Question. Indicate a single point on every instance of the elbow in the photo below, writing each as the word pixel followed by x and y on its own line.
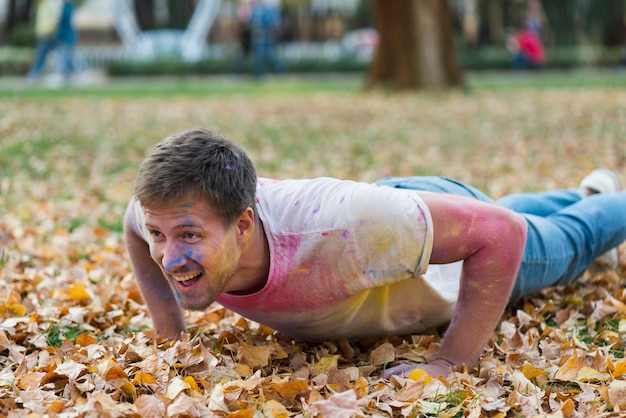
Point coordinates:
pixel 507 233
pixel 512 235
pixel 519 229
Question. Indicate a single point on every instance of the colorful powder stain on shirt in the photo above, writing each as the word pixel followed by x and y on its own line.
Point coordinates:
pixel 339 254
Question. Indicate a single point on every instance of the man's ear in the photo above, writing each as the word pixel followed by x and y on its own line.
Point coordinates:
pixel 245 225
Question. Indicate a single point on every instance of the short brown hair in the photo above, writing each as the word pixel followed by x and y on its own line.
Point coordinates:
pixel 202 162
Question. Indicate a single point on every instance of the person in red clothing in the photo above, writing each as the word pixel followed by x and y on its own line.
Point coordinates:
pixel 527 50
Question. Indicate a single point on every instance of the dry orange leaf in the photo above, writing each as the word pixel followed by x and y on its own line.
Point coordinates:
pixel 84 340
pixel 361 387
pixel 30 380
pixel 620 369
pixel 56 407
pixel 534 374
pixel 569 371
pixel 192 383
pixel 253 355
pixel 142 378
pixel 15 309
pixel 290 389
pixel 78 292
pixel 419 374
pixel 265 330
pixel 115 372
pixel 128 389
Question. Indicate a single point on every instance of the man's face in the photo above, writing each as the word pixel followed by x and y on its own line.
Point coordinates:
pixel 196 253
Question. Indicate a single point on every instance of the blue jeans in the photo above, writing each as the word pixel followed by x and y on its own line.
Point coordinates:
pixel 44 47
pixel 566 232
pixel 66 64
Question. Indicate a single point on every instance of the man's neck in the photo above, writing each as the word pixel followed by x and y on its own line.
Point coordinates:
pixel 254 264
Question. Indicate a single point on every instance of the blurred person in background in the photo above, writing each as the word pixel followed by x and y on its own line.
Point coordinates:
pixel 265 24
pixel 244 35
pixel 534 18
pixel 526 50
pixel 66 39
pixel 47 19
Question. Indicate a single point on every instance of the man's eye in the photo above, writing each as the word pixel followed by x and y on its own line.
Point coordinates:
pixel 156 234
pixel 190 235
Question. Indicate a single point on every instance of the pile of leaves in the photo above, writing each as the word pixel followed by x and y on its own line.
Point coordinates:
pixel 76 339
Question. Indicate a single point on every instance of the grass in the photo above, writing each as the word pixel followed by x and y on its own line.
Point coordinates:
pixel 87 137
pixel 227 85
pixel 572 79
pixel 192 86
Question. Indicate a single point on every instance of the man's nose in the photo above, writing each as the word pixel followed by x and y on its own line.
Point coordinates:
pixel 173 257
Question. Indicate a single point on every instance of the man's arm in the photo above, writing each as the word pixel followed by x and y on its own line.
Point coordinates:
pixel 167 316
pixel 491 240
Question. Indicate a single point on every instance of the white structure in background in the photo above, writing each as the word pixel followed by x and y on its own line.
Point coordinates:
pixel 189 44
pixel 3 10
pixel 343 6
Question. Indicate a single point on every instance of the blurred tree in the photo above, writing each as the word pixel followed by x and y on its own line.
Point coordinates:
pixel 415 48
pixel 17 13
pixel 614 31
pixel 180 12
pixel 470 22
pixel 567 21
pixel 144 10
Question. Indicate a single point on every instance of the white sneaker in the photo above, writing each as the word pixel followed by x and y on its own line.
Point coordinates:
pixel 602 181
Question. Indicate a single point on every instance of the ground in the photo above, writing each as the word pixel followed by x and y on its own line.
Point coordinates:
pixel 75 338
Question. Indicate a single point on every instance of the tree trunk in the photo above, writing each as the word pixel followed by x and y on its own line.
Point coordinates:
pixel 415 48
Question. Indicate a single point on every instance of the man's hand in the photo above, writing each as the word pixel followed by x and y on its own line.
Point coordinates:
pixel 435 368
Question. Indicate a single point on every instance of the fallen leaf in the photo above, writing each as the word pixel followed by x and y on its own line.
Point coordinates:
pixel 253 356
pixel 590 375
pixel 569 370
pixel 383 354
pixel 274 408
pixel 339 405
pixel 150 406
pixel 324 365
pixel 79 293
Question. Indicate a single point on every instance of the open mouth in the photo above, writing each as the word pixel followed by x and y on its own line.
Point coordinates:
pixel 187 280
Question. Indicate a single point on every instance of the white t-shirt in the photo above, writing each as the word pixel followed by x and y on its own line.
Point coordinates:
pixel 347 259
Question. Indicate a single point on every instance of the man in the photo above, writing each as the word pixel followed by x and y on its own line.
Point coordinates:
pixel 322 259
